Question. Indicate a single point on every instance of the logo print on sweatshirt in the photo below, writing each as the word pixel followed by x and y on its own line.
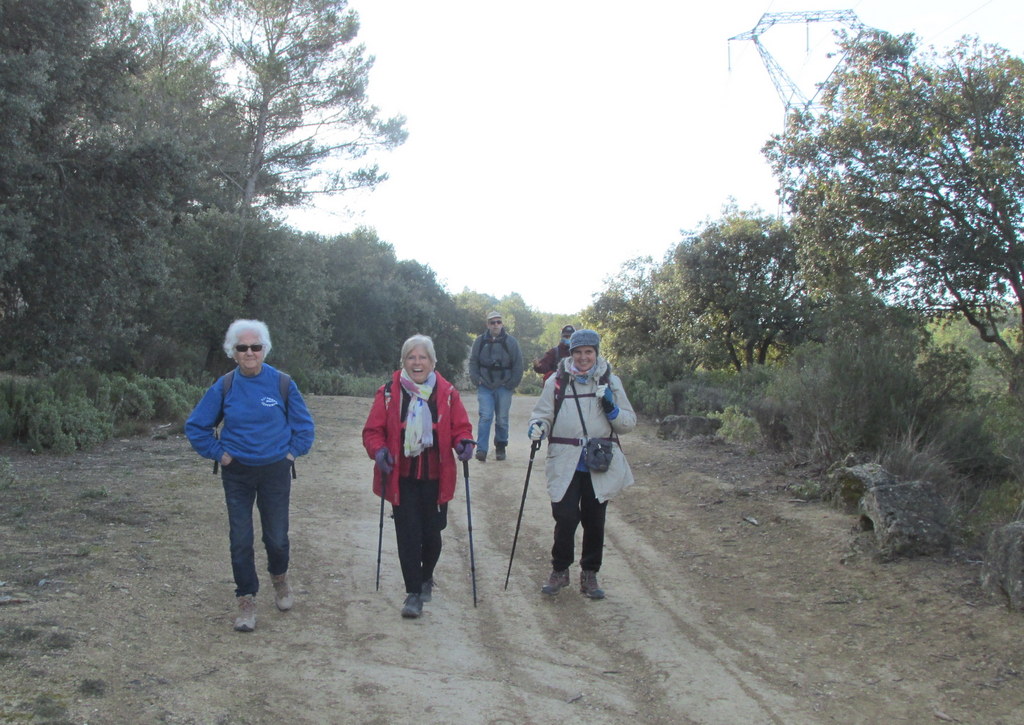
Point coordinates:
pixel 268 402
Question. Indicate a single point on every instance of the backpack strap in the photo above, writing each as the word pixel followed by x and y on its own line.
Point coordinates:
pixel 225 385
pixel 284 383
pixel 560 382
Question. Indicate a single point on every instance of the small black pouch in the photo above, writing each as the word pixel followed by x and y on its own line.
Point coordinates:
pixel 598 454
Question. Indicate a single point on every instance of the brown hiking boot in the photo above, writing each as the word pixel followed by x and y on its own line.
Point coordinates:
pixel 246 619
pixel 282 592
pixel 588 585
pixel 557 580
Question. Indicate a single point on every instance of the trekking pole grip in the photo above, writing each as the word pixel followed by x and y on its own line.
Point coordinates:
pixel 465 464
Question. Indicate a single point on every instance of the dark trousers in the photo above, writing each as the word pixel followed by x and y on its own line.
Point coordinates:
pixel 418 525
pixel 269 487
pixel 578 506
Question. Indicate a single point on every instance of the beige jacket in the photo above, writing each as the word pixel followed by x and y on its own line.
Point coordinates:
pixel 563 458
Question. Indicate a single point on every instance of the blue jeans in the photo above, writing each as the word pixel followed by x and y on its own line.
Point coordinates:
pixel 269 487
pixel 494 406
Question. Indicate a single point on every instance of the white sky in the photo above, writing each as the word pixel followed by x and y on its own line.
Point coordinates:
pixel 552 140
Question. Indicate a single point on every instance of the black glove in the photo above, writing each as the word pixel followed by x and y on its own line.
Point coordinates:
pixel 607 402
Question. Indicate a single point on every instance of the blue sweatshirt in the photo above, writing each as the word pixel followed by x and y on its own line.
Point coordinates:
pixel 256 430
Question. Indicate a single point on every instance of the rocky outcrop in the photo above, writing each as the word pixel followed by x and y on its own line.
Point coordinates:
pixel 909 519
pixel 1003 573
pixel 844 485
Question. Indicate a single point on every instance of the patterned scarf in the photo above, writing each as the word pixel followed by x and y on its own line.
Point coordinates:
pixel 581 377
pixel 419 433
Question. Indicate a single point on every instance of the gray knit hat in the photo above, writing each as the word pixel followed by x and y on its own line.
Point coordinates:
pixel 583 338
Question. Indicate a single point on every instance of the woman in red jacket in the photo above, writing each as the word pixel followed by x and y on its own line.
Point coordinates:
pixel 417 419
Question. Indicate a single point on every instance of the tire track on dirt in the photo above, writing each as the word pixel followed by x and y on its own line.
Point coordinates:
pixel 634 652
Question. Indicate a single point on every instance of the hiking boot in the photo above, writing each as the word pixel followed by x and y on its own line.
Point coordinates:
pixel 588 585
pixel 246 619
pixel 481 455
pixel 413 606
pixel 427 590
pixel 282 592
pixel 499 452
pixel 556 581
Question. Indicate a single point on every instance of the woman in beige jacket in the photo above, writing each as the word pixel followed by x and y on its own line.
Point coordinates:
pixel 581 400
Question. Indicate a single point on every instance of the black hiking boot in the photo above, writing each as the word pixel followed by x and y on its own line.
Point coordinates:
pixel 499 452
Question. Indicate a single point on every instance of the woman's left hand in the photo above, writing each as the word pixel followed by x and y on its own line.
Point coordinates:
pixel 465 450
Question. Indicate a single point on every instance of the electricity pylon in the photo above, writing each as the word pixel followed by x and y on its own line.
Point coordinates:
pixel 790 93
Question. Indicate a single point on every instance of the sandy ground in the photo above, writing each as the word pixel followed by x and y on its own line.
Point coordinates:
pixel 730 601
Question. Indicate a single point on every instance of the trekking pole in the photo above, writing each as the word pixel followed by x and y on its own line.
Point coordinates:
pixel 533 451
pixel 380 534
pixel 469 521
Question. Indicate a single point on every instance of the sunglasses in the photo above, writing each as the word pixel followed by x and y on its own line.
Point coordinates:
pixel 247 348
pixel 494 322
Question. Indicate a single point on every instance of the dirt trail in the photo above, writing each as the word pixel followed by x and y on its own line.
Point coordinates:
pixel 728 602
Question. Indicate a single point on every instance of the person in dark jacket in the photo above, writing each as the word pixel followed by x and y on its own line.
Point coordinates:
pixel 261 437
pixel 417 419
pixel 549 363
pixel 496 369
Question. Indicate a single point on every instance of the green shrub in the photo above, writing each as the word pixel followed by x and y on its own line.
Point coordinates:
pixel 996 505
pixel 737 427
pixel 64 425
pixel 124 400
pixel 335 382
pixel 364 386
pixel 911 457
pixel 849 395
pixel 648 398
pixel 172 399
pixel 698 393
pixel 529 389
pixel 78 409
pixel 1004 421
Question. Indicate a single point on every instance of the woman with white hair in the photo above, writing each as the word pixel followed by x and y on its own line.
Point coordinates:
pixel 417 420
pixel 266 426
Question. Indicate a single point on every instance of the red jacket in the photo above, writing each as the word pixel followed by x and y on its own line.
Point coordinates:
pixel 384 427
pixel 549 363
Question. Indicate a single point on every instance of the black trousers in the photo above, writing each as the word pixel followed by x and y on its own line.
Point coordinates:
pixel 418 525
pixel 578 506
